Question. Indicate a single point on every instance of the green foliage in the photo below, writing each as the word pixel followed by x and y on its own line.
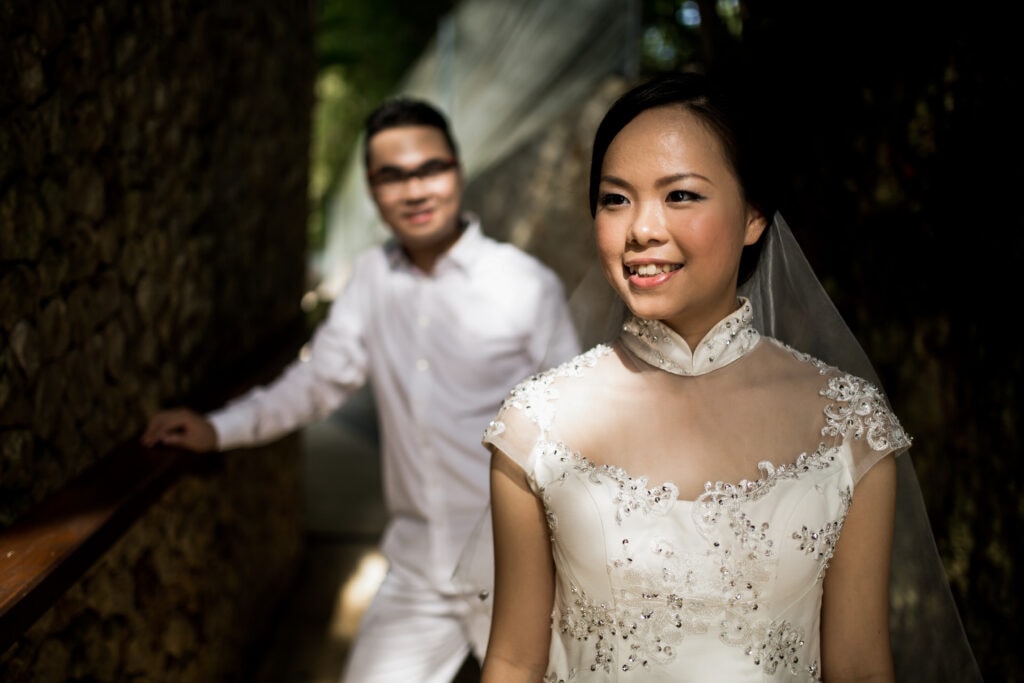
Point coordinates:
pixel 364 48
pixel 685 33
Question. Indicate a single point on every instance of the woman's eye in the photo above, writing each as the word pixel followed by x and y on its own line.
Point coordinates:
pixel 682 196
pixel 611 199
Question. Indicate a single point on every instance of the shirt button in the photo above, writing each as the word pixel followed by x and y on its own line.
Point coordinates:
pixel 423 320
pixel 422 365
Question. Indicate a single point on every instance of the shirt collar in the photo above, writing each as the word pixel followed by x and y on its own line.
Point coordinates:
pixel 657 344
pixel 462 254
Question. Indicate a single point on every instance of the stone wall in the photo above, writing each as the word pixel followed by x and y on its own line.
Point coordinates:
pixel 153 168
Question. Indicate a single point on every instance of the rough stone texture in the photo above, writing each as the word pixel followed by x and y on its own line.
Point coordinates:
pixel 153 162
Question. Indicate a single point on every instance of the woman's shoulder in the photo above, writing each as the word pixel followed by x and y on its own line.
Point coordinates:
pixel 535 397
pixel 852 406
pixel 799 363
pixel 577 370
pixel 531 407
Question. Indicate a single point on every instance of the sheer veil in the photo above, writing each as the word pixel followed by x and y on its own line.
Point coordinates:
pixel 790 304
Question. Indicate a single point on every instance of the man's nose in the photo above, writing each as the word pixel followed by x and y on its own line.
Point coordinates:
pixel 415 189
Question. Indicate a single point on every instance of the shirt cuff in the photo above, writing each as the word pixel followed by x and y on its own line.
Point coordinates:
pixel 232 429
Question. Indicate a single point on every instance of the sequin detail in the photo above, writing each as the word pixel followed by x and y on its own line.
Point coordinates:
pixel 633 496
pixel 534 394
pixel 821 543
pixel 860 411
pixel 718 593
pixel 663 348
pixel 681 576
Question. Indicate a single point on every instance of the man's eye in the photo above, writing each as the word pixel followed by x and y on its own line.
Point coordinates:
pixel 432 168
pixel 387 176
pixel 390 175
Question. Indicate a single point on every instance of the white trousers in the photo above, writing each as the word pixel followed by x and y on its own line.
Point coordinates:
pixel 414 635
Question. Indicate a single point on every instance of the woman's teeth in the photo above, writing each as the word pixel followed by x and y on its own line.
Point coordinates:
pixel 651 269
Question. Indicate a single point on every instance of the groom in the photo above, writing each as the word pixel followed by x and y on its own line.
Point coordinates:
pixel 444 320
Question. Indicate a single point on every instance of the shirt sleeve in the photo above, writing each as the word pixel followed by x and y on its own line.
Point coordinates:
pixel 308 389
pixel 556 339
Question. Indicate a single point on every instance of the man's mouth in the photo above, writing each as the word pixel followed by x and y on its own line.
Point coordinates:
pixel 419 216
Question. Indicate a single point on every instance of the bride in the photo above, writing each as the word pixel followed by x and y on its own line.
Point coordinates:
pixel 695 500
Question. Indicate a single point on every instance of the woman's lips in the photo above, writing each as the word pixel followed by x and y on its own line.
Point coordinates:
pixel 648 275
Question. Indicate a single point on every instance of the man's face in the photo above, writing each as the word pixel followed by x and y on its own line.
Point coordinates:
pixel 417 186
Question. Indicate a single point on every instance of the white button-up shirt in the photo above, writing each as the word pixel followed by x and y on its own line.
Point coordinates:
pixel 442 351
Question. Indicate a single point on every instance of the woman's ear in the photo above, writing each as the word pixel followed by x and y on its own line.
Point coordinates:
pixel 756 223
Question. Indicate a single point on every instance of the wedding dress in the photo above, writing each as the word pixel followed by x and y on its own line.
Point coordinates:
pixel 661 576
pixel 695 499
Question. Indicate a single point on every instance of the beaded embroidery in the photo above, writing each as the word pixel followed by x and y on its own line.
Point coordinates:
pixel 862 412
pixel 661 595
pixel 663 348
pixel 534 395
pixel 654 611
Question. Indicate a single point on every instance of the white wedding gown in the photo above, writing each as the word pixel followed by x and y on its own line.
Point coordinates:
pixel 693 499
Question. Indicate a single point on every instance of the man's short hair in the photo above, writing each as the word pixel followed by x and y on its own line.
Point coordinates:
pixel 404 111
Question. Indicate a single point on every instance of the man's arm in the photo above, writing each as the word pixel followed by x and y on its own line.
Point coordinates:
pixel 305 391
pixel 556 331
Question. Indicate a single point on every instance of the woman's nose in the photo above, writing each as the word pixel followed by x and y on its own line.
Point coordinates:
pixel 648 225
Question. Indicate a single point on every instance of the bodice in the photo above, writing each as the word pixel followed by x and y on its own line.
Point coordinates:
pixel 662 581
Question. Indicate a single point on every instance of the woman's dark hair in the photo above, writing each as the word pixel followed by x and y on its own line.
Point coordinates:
pixel 724 115
pixel 404 111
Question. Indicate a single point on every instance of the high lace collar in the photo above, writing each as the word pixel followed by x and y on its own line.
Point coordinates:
pixel 659 345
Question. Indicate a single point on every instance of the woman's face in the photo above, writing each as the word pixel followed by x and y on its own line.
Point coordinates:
pixel 671 221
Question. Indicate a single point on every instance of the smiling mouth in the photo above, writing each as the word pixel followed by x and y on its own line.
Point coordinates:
pixel 652 269
pixel 417 216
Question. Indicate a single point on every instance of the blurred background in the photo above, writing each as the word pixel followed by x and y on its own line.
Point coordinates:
pixel 180 179
pixel 897 139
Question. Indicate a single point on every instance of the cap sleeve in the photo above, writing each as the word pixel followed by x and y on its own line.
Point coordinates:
pixel 516 428
pixel 860 414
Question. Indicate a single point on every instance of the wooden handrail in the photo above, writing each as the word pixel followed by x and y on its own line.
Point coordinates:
pixel 44 552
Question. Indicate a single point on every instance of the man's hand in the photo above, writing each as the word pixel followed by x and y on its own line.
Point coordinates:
pixel 180 427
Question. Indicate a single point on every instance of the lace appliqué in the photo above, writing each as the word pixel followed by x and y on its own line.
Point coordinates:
pixel 821 543
pixel 745 566
pixel 661 596
pixel 861 411
pixel 645 633
pixel 660 346
pixel 726 500
pixel 534 395
pixel 645 628
pixel 632 494
pixel 781 645
pixel 656 610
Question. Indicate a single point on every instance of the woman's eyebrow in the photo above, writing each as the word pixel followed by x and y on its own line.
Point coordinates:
pixel 615 180
pixel 676 177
